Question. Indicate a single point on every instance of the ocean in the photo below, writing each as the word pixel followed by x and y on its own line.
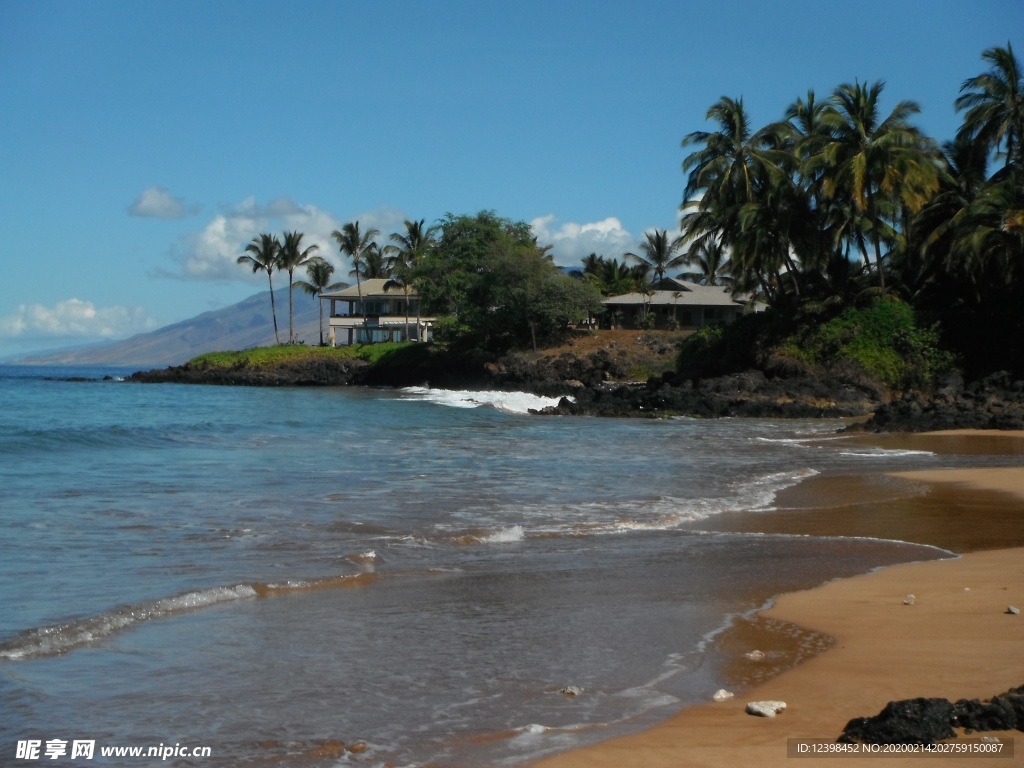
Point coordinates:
pixel 428 577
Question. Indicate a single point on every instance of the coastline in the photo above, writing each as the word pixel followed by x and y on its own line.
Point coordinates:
pixel 955 641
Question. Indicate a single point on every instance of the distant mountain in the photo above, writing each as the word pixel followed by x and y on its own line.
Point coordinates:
pixel 240 326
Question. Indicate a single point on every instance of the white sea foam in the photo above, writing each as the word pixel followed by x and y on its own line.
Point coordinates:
pixel 873 453
pixel 505 536
pixel 509 402
pixel 623 517
pixel 61 638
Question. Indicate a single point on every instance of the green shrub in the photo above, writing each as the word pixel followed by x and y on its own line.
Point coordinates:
pixel 884 338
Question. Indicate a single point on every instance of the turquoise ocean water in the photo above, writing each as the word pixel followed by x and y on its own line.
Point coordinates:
pixel 269 571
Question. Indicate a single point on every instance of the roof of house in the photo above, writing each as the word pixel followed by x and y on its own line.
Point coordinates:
pixel 372 288
pixel 672 291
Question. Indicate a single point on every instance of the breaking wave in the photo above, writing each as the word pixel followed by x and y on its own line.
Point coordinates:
pixel 509 402
pixel 58 639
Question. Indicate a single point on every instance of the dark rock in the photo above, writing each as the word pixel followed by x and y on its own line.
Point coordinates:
pixel 990 403
pixel 912 721
pixel 995 715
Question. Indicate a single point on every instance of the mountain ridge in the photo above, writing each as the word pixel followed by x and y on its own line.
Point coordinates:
pixel 245 324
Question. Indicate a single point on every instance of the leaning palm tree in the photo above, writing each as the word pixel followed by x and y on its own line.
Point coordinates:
pixel 292 256
pixel 658 253
pixel 994 104
pixel 261 254
pixel 728 172
pixel 319 271
pixel 353 243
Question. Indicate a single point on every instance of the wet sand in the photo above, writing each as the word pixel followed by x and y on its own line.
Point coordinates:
pixel 858 645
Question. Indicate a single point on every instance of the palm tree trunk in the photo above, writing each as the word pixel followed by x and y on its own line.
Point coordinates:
pixel 407 313
pixel 321 322
pixel 878 261
pixel 291 332
pixel 273 308
pixel 359 289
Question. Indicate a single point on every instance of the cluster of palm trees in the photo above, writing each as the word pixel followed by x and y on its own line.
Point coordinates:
pixel 395 261
pixel 268 253
pixel 838 197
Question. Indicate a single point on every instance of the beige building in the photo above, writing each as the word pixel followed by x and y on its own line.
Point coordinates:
pixel 385 312
pixel 678 303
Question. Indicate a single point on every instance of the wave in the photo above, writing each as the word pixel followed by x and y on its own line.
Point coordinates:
pixel 108 437
pixel 874 453
pixel 622 517
pixel 58 639
pixel 509 402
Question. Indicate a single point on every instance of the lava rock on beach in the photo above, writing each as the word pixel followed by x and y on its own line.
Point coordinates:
pixel 927 721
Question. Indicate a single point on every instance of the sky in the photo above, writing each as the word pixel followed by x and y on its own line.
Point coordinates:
pixel 144 145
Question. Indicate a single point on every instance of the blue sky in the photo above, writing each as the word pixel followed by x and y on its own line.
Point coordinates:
pixel 143 145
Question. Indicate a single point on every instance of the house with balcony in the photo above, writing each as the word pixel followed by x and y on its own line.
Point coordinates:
pixel 674 303
pixel 377 310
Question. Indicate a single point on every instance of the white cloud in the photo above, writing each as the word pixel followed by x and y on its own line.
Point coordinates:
pixel 212 253
pixel 573 242
pixel 159 203
pixel 74 319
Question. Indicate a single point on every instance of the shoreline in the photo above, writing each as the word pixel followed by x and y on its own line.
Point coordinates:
pixel 955 641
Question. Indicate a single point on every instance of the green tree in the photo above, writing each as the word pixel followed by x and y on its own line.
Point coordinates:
pixel 319 272
pixel 881 167
pixel 262 254
pixel 993 103
pixel 292 256
pixel 495 285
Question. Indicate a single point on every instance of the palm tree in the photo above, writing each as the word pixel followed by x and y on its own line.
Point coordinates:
pixel 409 248
pixel 319 271
pixel 376 262
pixel 353 244
pixel 730 171
pixel 994 104
pixel 290 257
pixel 882 167
pixel 261 254
pixel 712 265
pixel 658 253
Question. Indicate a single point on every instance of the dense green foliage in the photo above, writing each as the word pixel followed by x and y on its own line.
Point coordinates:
pixel 494 288
pixel 883 338
pixel 840 200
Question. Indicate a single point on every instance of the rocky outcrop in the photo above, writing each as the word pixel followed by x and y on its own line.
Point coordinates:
pixel 602 383
pixel 309 373
pixel 927 721
pixel 995 402
pixel 752 393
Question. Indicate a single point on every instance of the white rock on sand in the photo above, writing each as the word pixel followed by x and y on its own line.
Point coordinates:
pixel 765 708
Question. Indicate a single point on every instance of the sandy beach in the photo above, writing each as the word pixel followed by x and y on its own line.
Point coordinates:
pixel 956 640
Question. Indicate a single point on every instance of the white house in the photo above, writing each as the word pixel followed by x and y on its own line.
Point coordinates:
pixel 386 311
